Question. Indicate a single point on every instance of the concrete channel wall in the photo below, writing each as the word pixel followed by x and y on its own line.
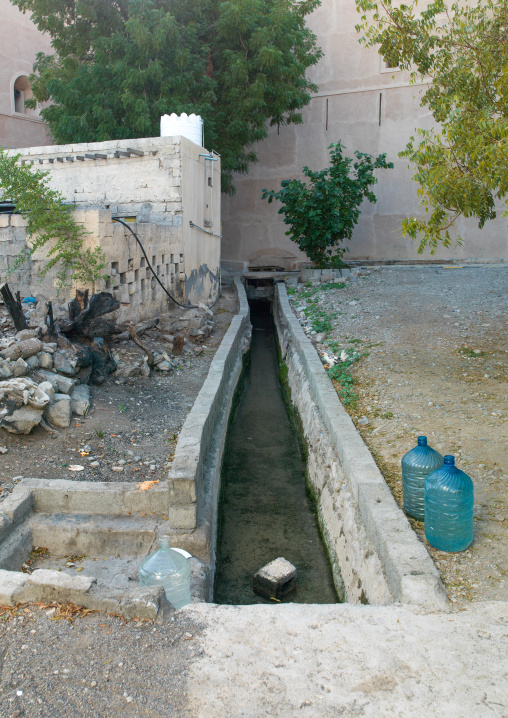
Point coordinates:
pixel 375 555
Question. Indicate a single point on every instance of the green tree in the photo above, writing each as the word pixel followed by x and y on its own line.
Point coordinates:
pixel 462 51
pixel 119 65
pixel 323 211
pixel 49 221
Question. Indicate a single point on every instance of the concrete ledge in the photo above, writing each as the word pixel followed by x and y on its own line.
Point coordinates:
pixel 375 555
pixel 49 586
pixel 205 421
pixel 86 497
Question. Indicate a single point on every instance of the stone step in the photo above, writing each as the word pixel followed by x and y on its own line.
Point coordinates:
pixel 106 535
pixel 15 547
pixel 95 534
pixel 96 497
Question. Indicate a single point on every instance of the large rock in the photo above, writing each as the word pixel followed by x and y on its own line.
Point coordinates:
pixel 33 362
pixel 5 369
pixel 40 312
pixel 62 365
pixel 48 389
pixel 61 384
pixel 80 400
pixel 13 352
pixel 19 367
pixel 46 360
pixel 59 413
pixel 22 421
pixel 29 347
pixel 27 334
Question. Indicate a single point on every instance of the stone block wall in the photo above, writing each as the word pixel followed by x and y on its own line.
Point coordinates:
pixel 375 556
pixel 168 190
pixel 130 279
pixel 12 242
pixel 139 177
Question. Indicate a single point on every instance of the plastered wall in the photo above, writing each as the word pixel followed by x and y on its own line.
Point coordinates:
pixel 369 108
pixel 19 44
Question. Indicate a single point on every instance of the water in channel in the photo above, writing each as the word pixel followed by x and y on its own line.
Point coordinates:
pixel 265 510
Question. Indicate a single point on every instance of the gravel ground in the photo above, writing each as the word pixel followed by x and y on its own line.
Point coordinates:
pixel 133 424
pixel 436 365
pixel 93 666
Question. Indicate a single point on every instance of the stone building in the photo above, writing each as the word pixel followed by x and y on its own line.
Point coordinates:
pixel 21 41
pixel 167 189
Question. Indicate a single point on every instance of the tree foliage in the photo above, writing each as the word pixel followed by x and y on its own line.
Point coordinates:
pixel 323 211
pixel 462 50
pixel 49 221
pixel 121 64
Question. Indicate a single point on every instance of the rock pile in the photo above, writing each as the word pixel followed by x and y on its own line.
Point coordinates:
pixel 60 370
pixel 51 395
pixel 197 324
pixel 25 404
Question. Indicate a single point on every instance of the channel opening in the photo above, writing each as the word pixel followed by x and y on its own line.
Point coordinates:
pixel 266 511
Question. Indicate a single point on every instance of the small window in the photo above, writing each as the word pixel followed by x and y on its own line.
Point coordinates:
pixel 21 92
pixel 386 67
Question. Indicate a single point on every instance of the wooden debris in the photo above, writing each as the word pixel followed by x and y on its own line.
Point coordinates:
pixel 132 333
pixel 178 345
pixel 14 308
pixel 85 325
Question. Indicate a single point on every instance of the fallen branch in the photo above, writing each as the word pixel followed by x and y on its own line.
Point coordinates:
pixel 132 333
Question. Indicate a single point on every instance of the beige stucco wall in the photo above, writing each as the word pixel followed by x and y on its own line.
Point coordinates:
pixel 202 207
pixel 20 43
pixel 351 80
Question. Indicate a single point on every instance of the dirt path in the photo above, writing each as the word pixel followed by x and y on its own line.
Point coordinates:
pixel 437 365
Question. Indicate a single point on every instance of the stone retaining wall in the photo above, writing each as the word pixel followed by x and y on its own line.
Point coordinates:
pixel 190 488
pixel 376 557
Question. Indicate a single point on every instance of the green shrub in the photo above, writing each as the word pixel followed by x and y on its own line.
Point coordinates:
pixel 323 211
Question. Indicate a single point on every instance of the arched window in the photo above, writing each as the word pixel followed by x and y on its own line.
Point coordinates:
pixel 21 92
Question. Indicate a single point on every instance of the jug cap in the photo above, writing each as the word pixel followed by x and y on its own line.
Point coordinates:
pixel 449 460
pixel 422 441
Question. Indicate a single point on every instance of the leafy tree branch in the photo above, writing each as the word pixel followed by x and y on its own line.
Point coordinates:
pixel 462 51
pixel 49 222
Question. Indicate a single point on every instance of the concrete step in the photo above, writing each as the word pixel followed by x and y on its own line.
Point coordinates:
pixel 15 547
pixel 105 535
pixel 96 497
pixel 95 534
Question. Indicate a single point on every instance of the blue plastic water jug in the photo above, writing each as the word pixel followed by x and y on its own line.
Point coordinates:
pixel 449 504
pixel 417 464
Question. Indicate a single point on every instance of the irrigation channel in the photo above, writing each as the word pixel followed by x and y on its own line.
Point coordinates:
pixel 265 509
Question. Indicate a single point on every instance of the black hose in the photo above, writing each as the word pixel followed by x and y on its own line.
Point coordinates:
pixel 184 306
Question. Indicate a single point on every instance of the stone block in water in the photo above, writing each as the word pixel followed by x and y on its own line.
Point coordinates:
pixel 276 579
